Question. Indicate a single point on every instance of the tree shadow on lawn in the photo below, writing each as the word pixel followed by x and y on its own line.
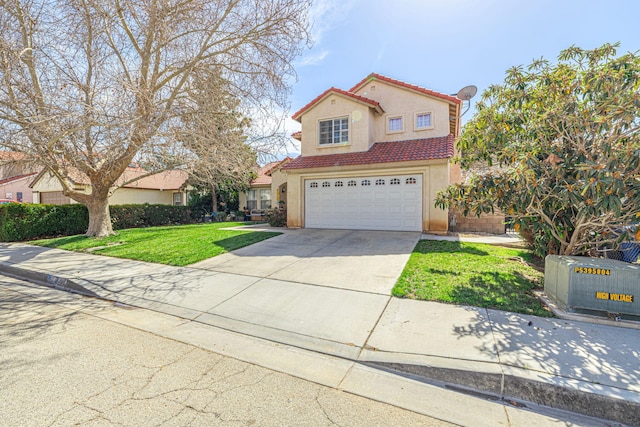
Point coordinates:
pixel 445 246
pixel 510 291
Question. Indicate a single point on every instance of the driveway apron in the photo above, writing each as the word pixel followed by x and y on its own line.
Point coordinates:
pixel 365 261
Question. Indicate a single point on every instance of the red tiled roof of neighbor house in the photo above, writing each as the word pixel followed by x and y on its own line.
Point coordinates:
pixel 264 173
pixel 167 180
pixel 16 178
pixel 381 152
pixel 12 155
pixel 374 76
pixel 370 102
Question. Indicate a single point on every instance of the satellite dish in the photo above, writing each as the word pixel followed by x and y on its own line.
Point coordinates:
pixel 467 92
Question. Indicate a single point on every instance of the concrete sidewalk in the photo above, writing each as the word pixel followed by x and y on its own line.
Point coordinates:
pixel 582 367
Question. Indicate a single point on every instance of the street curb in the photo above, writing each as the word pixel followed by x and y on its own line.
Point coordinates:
pixel 519 391
pixel 49 280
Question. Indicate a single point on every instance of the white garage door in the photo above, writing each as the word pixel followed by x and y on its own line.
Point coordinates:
pixel 365 203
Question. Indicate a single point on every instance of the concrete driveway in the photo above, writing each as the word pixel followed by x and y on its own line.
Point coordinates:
pixel 366 261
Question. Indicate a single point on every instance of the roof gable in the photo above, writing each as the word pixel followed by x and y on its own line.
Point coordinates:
pixel 382 152
pixel 378 77
pixel 335 91
pixel 264 173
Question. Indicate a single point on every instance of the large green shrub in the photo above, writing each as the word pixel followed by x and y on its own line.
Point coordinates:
pixel 27 221
pixel 20 222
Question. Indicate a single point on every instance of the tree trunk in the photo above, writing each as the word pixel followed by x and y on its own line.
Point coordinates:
pixel 214 199
pixel 99 218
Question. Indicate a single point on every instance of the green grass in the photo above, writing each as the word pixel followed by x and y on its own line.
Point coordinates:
pixel 472 274
pixel 173 245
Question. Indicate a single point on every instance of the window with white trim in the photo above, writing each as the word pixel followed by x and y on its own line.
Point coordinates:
pixel 265 198
pixel 252 199
pixel 395 124
pixel 334 131
pixel 423 121
pixel 177 199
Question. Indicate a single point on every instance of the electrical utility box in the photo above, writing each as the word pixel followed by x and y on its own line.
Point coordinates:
pixel 593 284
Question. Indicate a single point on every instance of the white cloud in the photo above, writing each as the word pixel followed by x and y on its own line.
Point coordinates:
pixel 325 14
pixel 312 59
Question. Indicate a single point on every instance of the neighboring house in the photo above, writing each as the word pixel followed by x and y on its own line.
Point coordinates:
pixel 17 188
pixel 166 188
pixel 268 189
pixel 373 157
pixel 15 176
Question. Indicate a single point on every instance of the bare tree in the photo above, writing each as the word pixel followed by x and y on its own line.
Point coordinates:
pixel 95 85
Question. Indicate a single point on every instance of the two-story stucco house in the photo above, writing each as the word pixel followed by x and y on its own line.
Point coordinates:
pixel 373 157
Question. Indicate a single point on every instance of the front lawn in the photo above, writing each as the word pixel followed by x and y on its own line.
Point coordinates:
pixel 472 274
pixel 174 245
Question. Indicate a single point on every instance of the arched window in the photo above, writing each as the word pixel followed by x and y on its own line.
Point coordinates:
pixel 326 184
pixel 395 181
pixel 379 181
pixel 410 181
pixel 338 184
pixel 365 182
pixel 351 183
pixel 314 185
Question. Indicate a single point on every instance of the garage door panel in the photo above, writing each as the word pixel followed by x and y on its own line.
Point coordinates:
pixel 366 203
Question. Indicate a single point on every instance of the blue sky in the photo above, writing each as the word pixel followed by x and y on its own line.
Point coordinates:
pixel 447 44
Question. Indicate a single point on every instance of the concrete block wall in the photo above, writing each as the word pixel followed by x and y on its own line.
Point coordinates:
pixel 490 223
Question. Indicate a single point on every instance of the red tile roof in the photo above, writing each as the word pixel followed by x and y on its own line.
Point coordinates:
pixel 381 152
pixel 264 173
pixel 16 178
pixel 374 76
pixel 167 180
pixel 370 102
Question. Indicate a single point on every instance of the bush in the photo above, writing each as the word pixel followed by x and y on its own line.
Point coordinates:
pixel 277 217
pixel 27 221
pixel 20 222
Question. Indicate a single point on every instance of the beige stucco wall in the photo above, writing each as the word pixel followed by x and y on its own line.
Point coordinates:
pixel 277 179
pixel 435 176
pixel 397 101
pixel 332 107
pixel 126 196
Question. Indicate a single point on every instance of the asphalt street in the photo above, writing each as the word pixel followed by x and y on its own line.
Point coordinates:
pixel 62 365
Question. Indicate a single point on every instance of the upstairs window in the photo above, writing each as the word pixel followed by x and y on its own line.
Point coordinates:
pixel 423 121
pixel 334 131
pixel 394 124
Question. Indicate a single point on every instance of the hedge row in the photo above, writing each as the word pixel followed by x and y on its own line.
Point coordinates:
pixel 20 222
